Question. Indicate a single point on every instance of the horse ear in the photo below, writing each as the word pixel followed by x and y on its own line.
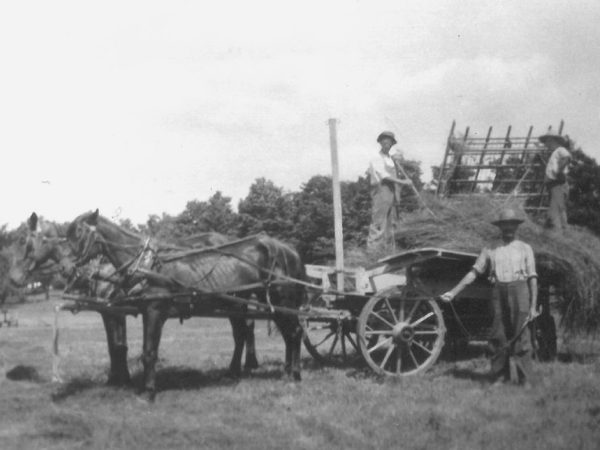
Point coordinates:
pixel 93 219
pixel 32 221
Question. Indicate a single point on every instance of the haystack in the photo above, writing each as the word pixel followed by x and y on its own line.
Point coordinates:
pixel 569 264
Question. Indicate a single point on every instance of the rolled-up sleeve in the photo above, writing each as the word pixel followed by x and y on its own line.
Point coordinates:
pixel 482 263
pixel 530 271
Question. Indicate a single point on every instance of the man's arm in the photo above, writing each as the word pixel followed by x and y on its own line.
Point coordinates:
pixel 467 280
pixel 531 280
pixel 478 268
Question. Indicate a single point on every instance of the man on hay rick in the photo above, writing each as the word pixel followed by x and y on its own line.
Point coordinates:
pixel 511 268
pixel 385 195
pixel 557 171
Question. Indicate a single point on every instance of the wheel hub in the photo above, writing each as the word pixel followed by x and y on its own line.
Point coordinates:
pixel 403 332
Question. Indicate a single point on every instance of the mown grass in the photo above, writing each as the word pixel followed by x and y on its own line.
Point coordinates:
pixel 199 407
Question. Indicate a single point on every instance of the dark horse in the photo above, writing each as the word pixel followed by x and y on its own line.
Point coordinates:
pixel 44 249
pixel 253 262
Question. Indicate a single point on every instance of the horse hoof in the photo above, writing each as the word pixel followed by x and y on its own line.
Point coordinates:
pixel 296 376
pixel 250 365
pixel 235 374
pixel 119 381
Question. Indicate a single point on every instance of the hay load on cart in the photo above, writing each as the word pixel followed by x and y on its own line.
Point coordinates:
pixel 481 175
pixel 568 265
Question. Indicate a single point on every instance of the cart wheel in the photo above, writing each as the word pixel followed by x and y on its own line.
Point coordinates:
pixel 401 332
pixel 331 342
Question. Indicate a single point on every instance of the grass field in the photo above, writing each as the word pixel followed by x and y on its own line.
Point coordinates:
pixel 199 407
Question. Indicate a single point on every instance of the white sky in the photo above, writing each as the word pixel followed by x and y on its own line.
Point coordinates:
pixel 138 107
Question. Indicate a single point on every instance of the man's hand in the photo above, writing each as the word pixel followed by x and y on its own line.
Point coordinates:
pixel 533 313
pixel 447 296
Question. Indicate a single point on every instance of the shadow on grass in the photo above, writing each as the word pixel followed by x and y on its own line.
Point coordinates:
pixel 185 378
pixel 462 351
pixel 577 358
pixel 171 378
pixel 469 374
pixel 74 387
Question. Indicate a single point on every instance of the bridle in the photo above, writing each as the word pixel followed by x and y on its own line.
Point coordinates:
pixel 90 239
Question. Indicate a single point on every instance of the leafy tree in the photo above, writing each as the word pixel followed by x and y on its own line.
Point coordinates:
pixel 213 215
pixel 409 201
pixel 5 237
pixel 584 196
pixel 128 225
pixel 160 227
pixel 266 208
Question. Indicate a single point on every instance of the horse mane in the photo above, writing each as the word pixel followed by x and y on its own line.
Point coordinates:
pixel 101 220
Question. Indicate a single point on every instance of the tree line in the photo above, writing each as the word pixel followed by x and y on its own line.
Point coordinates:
pixel 304 218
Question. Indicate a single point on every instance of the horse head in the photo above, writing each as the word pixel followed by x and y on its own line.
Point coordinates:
pixel 38 249
pixel 91 235
pixel 83 238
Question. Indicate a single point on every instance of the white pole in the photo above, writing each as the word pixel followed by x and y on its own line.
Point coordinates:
pixel 337 206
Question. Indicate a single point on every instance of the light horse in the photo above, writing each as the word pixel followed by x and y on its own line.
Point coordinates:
pixel 253 262
pixel 44 248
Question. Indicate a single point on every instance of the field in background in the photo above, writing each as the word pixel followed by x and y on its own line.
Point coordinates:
pixel 199 407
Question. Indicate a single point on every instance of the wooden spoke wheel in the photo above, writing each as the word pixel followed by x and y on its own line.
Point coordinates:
pixel 400 332
pixel 330 341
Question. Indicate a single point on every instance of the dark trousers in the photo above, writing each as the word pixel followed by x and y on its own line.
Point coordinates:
pixel 511 308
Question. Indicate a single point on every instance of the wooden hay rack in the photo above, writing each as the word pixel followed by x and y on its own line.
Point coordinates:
pixel 501 166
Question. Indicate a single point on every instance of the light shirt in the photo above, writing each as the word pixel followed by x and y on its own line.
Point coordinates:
pixel 506 263
pixel 381 168
pixel 557 159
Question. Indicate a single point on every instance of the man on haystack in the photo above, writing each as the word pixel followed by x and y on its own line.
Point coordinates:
pixel 556 179
pixel 385 194
pixel 511 268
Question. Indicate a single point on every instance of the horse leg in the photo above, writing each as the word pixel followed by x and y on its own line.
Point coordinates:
pixel 238 327
pixel 116 336
pixel 251 361
pixel 292 335
pixel 153 320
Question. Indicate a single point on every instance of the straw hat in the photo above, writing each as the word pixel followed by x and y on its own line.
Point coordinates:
pixel 387 134
pixel 562 140
pixel 508 216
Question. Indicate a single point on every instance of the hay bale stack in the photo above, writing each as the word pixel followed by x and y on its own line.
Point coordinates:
pixel 571 263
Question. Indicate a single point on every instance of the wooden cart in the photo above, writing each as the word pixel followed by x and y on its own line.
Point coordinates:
pixel 394 320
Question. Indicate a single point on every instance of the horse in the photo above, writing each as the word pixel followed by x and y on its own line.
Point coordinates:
pixel 254 262
pixel 44 248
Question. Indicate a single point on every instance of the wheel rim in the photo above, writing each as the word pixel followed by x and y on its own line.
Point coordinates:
pixel 331 342
pixel 401 333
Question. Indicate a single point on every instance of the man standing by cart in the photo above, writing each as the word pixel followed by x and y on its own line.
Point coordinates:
pixel 556 179
pixel 511 268
pixel 385 190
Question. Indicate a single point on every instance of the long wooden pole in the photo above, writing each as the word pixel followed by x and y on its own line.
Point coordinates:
pixel 337 206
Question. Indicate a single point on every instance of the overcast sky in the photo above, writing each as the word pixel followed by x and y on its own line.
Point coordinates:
pixel 139 107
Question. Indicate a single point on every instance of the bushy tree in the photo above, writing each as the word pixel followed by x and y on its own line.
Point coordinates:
pixel 215 214
pixel 266 208
pixel 584 196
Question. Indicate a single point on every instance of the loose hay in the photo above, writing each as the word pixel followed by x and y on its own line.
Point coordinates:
pixel 569 264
